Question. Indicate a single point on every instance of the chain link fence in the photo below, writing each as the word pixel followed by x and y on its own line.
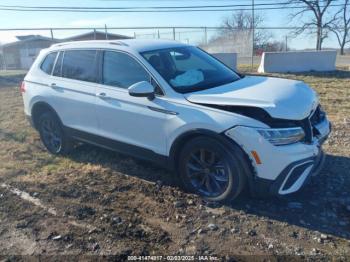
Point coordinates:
pixel 19 47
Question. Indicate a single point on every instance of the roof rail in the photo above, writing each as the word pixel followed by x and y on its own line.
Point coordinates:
pixel 118 43
pixel 58 44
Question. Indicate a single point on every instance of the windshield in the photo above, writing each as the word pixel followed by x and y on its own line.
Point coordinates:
pixel 189 69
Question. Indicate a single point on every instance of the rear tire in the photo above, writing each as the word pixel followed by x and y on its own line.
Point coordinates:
pixel 212 169
pixel 52 134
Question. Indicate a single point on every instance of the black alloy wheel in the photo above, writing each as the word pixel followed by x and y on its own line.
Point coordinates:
pixel 208 172
pixel 52 135
pixel 212 168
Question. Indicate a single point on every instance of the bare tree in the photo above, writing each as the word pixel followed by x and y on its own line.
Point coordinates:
pixel 341 27
pixel 243 21
pixel 321 19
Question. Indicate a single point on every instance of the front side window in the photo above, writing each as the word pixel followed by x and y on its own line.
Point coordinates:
pixel 48 63
pixel 189 69
pixel 121 70
pixel 80 65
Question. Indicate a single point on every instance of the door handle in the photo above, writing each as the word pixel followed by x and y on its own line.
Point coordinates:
pixel 54 86
pixel 101 95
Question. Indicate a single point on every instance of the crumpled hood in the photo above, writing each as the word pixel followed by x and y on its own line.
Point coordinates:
pixel 281 98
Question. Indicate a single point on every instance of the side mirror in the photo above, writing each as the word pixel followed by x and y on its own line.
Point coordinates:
pixel 142 89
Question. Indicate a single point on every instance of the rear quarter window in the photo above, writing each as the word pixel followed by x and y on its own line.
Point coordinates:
pixel 48 63
pixel 80 65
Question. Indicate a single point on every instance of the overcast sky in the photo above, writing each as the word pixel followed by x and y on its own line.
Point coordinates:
pixel 16 19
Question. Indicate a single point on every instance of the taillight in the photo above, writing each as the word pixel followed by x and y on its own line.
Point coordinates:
pixel 23 87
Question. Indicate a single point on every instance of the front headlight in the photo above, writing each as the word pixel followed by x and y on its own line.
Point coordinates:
pixel 282 136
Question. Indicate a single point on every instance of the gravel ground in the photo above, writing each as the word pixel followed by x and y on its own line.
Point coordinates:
pixel 100 204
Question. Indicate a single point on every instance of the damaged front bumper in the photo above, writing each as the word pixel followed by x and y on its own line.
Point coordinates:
pixel 285 169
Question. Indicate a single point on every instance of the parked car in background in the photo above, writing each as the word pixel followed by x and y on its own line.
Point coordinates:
pixel 175 104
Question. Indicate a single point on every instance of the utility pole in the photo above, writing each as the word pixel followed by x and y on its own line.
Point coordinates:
pixel 106 32
pixel 253 31
pixel 286 43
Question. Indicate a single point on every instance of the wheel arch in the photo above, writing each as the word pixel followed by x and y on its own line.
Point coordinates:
pixel 39 108
pixel 187 136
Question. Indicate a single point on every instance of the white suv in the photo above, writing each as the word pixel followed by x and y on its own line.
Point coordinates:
pixel 175 104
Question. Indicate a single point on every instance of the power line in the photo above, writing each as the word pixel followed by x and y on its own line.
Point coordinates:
pixel 143 7
pixel 177 0
pixel 144 27
pixel 202 1
pixel 129 10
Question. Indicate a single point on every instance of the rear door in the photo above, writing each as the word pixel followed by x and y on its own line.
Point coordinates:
pixel 121 117
pixel 73 82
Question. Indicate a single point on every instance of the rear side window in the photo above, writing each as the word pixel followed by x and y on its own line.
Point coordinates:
pixel 121 70
pixel 58 66
pixel 80 65
pixel 48 63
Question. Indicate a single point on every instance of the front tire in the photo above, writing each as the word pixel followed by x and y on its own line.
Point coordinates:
pixel 212 169
pixel 52 135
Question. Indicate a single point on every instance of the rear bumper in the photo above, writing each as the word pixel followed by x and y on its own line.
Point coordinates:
pixel 295 176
